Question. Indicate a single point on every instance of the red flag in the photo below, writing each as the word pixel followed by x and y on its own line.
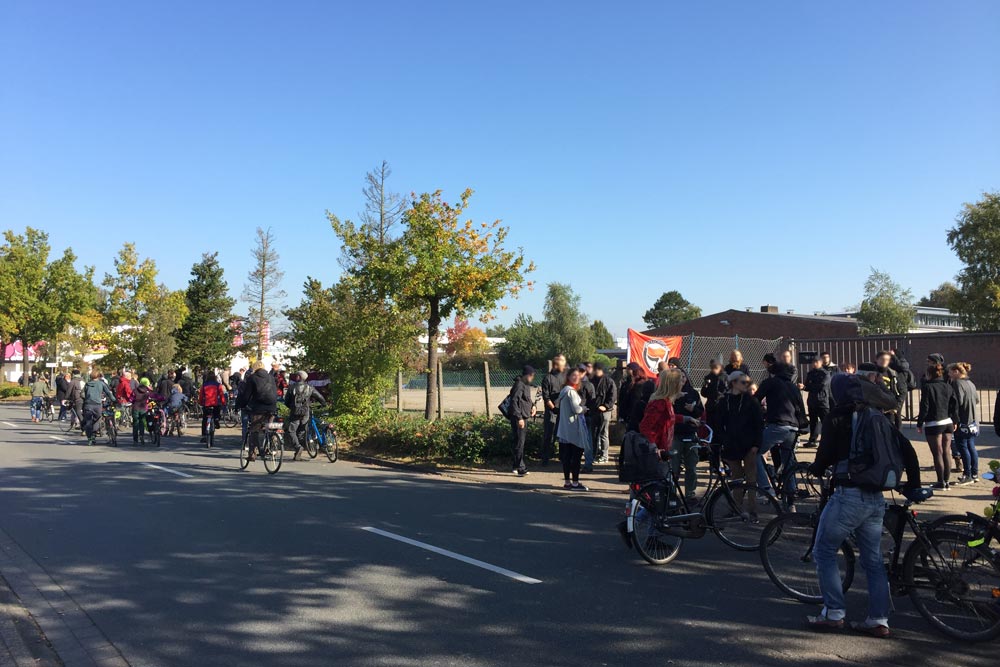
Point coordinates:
pixel 648 352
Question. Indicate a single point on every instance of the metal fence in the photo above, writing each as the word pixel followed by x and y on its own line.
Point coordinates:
pixel 697 352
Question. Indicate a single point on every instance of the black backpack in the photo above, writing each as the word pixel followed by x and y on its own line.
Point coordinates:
pixel 301 393
pixel 638 459
pixel 876 460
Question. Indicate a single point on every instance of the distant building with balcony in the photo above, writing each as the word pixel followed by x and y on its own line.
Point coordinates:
pixel 927 320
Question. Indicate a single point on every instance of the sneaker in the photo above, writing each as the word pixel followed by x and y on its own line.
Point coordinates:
pixel 514 471
pixel 974 479
pixel 567 485
pixel 940 486
pixel 587 469
pixel 812 444
pixel 298 454
pixel 753 518
pixel 578 487
pixel 522 473
pixel 964 481
pixel 823 624
pixel 872 630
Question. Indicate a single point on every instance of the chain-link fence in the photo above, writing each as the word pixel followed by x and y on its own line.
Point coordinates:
pixel 697 352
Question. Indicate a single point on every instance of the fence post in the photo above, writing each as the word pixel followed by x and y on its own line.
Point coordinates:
pixel 690 354
pixel 736 342
pixel 440 381
pixel 486 386
pixel 399 392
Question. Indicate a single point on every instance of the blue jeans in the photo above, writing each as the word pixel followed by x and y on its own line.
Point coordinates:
pixel 861 512
pixel 36 407
pixel 783 437
pixel 965 443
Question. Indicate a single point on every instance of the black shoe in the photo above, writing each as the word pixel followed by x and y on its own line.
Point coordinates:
pixel 812 444
pixel 578 487
pixel 940 486
pixel 522 473
pixel 587 469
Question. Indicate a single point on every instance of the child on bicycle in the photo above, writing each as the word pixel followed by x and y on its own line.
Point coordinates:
pixel 176 405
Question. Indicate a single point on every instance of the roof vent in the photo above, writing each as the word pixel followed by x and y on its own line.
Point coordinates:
pixel 769 309
pixel 789 312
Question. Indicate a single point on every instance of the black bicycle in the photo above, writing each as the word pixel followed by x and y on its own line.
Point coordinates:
pixel 954 582
pixel 270 449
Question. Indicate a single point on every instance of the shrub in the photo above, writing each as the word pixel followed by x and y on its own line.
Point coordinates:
pixel 13 390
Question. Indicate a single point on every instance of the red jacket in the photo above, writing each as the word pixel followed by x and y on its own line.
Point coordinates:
pixel 123 392
pixel 211 394
pixel 657 423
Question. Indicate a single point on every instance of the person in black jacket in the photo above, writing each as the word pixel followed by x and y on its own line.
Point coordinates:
pixel 937 419
pixel 818 387
pixel 904 380
pixel 713 386
pixel 599 411
pixel 634 396
pixel 587 393
pixel 522 408
pixel 552 384
pixel 784 414
pixel 260 399
pixel 736 364
pixel 685 447
pixel 62 390
pixel 738 425
pixel 855 510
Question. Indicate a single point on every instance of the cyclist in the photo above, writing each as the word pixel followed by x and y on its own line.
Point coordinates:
pixel 738 422
pixel 95 392
pixel 298 398
pixel 74 398
pixel 784 415
pixel 688 404
pixel 124 391
pixel 211 398
pixel 176 404
pixel 856 510
pixel 259 397
pixel 39 392
pixel 140 406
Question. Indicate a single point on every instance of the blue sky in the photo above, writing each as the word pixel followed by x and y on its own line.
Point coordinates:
pixel 742 153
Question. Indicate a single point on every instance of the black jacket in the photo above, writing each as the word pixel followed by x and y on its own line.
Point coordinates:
pixel 818 385
pixel 682 430
pixel 738 424
pixel 62 388
pixel 552 384
pixel 937 402
pixel 891 380
pixel 259 395
pixel 520 400
pixel 783 399
pixel 605 393
pixel 164 386
pixel 632 402
pixel 743 368
pixel 587 391
pixel 904 376
pixel 712 388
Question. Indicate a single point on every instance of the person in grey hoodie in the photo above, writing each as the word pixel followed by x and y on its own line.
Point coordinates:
pixel 968 423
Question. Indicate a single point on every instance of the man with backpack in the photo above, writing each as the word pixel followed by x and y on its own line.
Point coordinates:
pixel 260 399
pixel 211 398
pixel 298 399
pixel 868 455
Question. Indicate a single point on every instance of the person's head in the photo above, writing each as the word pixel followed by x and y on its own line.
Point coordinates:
pixel 177 388
pixel 935 358
pixel 573 377
pixel 275 365
pixel 736 357
pixel 869 372
pixel 258 365
pixel 674 362
pixel 817 363
pixel 209 376
pixel 661 366
pixel 849 367
pixel 528 373
pixel 144 382
pixel 669 385
pixel 714 367
pixel 825 356
pixel 559 363
pixel 739 383
pixel 935 371
pixel 634 370
pixel 769 360
pixel 303 376
pixel 589 366
pixel 584 371
pixel 883 358
pixel 786 357
pixel 98 376
pixel 598 370
pixel 960 370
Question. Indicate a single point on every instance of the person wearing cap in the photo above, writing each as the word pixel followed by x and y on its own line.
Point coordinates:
pixel 140 407
pixel 552 385
pixel 299 399
pixel 522 408
pixel 853 510
pixel 599 409
pixel 634 396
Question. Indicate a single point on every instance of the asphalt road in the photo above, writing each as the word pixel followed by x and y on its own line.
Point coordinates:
pixel 223 567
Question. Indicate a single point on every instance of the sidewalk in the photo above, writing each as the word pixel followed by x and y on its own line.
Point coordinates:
pixel 22 643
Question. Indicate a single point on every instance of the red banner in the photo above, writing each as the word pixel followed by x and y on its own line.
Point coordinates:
pixel 648 352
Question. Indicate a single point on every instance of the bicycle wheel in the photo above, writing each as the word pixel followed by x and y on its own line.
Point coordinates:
pixel 654 547
pixel 273 452
pixel 312 443
pixel 210 433
pixel 332 446
pixel 737 525
pixel 786 551
pixel 955 586
pixel 229 419
pixel 245 453
pixel 808 488
pixel 112 428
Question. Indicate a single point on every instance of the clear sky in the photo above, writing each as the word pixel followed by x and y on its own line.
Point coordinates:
pixel 742 153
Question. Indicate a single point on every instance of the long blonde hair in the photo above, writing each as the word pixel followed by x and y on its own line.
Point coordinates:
pixel 669 386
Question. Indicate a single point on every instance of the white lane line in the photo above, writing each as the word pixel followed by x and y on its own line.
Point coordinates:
pixel 9 424
pixel 56 437
pixel 451 554
pixel 172 472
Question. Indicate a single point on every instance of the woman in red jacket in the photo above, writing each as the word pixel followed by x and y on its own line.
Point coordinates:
pixel 658 421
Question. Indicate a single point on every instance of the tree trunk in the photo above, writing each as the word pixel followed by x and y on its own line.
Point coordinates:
pixel 433 330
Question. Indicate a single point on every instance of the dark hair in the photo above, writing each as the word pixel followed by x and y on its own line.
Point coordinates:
pixel 769 358
pixel 935 371
pixel 824 354
pixel 883 352
pixel 674 361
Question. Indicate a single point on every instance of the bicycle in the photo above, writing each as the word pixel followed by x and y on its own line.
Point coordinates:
pixel 953 582
pixel 74 422
pixel 107 425
pixel 985 529
pixel 271 450
pixel 325 438
pixel 48 412
pixel 230 418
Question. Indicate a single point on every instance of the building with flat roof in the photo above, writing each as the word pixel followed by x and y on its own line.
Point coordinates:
pixel 768 323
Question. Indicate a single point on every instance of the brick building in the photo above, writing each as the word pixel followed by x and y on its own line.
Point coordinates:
pixel 768 323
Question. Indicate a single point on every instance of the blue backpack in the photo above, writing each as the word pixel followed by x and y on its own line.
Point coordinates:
pixel 876 460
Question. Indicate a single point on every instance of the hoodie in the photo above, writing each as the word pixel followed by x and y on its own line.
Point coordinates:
pixel 782 399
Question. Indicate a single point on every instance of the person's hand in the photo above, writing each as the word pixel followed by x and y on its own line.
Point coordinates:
pixel 534 412
pixel 601 408
pixel 801 386
pixel 664 455
pixel 520 423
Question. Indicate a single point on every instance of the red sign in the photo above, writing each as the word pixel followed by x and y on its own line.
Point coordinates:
pixel 648 352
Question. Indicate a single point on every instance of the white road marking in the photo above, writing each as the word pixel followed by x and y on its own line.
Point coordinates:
pixel 172 472
pixel 451 554
pixel 56 437
pixel 9 424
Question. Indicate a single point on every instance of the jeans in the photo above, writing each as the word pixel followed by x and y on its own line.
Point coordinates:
pixel 90 417
pixel 518 434
pixel 599 433
pixel 784 437
pixel 36 407
pixel 965 443
pixel 686 450
pixel 851 509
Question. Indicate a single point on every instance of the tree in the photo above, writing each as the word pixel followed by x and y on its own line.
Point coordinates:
pixel 944 296
pixel 975 238
pixel 451 268
pixel 142 316
pixel 524 343
pixel 383 209
pixel 566 330
pixel 206 338
pixel 38 298
pixel 670 308
pixel 887 308
pixel 601 337
pixel 261 291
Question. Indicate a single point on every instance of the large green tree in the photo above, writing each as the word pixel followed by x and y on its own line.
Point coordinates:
pixel 524 343
pixel 142 316
pixel 39 298
pixel 943 296
pixel 566 327
pixel 975 238
pixel 262 293
pixel 205 340
pixel 601 337
pixel 887 308
pixel 670 308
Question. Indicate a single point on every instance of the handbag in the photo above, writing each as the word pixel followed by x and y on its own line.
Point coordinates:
pixel 972 428
pixel 505 406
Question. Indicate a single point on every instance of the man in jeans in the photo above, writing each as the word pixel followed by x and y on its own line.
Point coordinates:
pixel 605 397
pixel 552 384
pixel 784 413
pixel 852 509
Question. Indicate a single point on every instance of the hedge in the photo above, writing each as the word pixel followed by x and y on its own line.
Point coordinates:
pixel 14 390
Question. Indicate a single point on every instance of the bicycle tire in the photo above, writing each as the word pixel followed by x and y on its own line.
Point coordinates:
pixel 230 419
pixel 786 554
pixel 654 547
pixel 941 590
pixel 112 431
pixel 245 453
pixel 210 433
pixel 738 529
pixel 273 453
pixel 332 446
pixel 809 488
pixel 312 443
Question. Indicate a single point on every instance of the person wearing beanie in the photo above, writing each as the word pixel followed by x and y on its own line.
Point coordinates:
pixel 522 408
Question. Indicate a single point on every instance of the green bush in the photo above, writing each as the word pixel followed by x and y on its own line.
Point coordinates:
pixel 13 390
